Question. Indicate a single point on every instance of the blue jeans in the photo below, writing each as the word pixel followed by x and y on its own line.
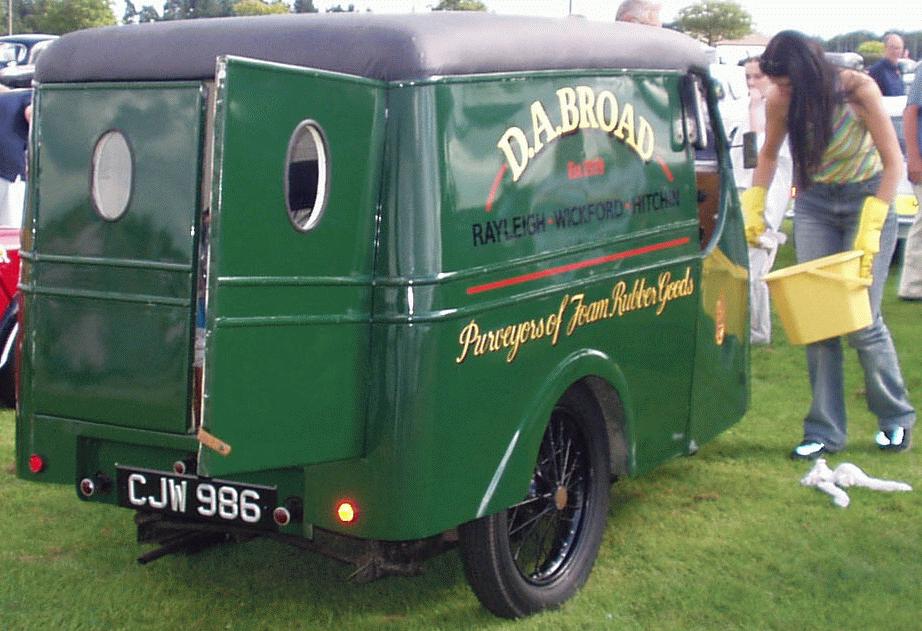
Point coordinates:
pixel 826 218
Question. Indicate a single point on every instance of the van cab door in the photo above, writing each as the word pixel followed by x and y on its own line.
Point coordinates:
pixel 296 166
pixel 720 389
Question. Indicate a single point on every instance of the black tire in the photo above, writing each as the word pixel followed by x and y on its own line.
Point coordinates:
pixel 8 329
pixel 538 553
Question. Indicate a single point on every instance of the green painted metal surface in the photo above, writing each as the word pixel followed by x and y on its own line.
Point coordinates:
pixel 720 394
pixel 488 242
pixel 108 302
pixel 454 433
pixel 289 311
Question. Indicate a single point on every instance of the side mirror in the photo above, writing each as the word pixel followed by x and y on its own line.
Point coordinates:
pixel 750 150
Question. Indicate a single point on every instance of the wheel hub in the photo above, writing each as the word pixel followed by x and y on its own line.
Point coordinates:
pixel 560 497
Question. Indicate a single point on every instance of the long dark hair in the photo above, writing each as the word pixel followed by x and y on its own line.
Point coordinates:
pixel 814 96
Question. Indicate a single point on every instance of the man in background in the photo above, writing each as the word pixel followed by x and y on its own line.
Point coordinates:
pixel 14 136
pixel 639 12
pixel 886 72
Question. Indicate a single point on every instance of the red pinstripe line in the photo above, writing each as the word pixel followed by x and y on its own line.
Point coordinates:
pixel 563 269
pixel 665 168
pixel 496 181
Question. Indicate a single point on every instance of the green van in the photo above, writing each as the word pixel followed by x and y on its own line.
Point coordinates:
pixel 378 283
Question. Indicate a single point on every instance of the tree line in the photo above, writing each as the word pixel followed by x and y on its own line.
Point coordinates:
pixel 56 16
pixel 853 42
pixel 712 21
pixel 188 9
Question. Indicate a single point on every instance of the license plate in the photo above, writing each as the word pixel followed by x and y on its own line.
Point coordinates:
pixel 197 498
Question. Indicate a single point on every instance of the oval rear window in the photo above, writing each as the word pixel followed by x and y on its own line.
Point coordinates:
pixel 110 183
pixel 306 175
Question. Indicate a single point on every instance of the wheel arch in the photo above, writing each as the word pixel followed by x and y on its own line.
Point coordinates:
pixel 593 379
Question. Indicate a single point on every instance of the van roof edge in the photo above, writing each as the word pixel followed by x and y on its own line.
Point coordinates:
pixel 385 47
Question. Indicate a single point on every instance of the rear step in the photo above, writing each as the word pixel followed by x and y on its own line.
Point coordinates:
pixel 179 536
pixel 372 559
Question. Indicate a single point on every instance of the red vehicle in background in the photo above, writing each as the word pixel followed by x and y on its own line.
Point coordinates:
pixel 9 278
pixel 14 129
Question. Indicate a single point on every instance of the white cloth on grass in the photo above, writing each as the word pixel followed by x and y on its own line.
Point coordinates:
pixel 833 481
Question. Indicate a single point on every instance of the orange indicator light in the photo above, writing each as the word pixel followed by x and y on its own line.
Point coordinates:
pixel 346 512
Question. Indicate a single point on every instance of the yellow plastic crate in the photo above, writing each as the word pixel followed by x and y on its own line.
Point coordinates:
pixel 821 298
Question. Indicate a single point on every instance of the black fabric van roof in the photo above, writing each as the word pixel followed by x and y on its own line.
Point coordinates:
pixel 382 47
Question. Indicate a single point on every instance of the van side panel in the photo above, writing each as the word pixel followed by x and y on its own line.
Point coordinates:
pixel 583 208
pixel 286 368
pixel 493 291
pixel 111 298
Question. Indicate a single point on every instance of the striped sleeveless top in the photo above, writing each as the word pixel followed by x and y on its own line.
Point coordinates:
pixel 851 155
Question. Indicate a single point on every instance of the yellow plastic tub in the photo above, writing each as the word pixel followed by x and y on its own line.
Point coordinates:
pixel 822 298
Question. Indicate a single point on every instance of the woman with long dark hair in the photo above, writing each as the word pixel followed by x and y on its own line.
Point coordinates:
pixel 847 164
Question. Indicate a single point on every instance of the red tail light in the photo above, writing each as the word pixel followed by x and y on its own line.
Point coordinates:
pixel 87 487
pixel 184 466
pixel 36 463
pixel 292 510
pixel 281 516
pixel 97 484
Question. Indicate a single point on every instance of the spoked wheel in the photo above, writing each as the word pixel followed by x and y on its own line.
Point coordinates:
pixel 538 553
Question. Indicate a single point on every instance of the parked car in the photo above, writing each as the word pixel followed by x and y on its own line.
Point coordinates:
pixel 9 308
pixel 853 61
pixel 907 205
pixel 732 99
pixel 908 70
pixel 19 75
pixel 15 49
pixel 10 222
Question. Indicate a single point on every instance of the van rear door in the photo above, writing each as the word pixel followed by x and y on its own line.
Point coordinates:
pixel 297 157
pixel 108 277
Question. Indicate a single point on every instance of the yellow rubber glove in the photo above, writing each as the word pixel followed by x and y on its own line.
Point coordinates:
pixel 867 239
pixel 752 202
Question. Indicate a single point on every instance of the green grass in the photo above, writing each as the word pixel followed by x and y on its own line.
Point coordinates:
pixel 726 539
